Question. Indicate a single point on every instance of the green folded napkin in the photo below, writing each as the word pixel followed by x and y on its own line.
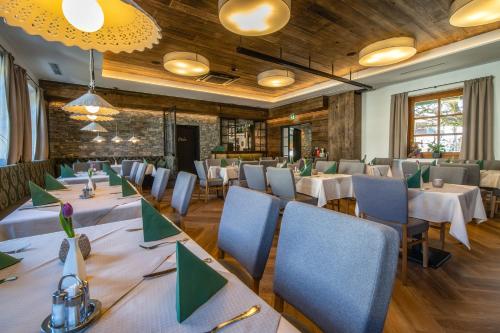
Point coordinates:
pixel 434 163
pixel 107 168
pixel 114 179
pixel 66 171
pixel 155 225
pixel 372 162
pixel 481 164
pixel 426 175
pixel 6 260
pixel 127 188
pixel 363 160
pixel 414 181
pixel 332 170
pixel 223 163
pixel 307 171
pixel 197 282
pixel 144 161
pixel 52 184
pixel 41 197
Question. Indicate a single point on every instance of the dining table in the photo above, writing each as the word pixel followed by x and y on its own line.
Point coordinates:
pixel 227 173
pixel 83 178
pixel 490 179
pixel 107 205
pixel 130 303
pixel 325 187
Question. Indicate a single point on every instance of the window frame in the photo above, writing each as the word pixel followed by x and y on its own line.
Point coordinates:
pixel 412 100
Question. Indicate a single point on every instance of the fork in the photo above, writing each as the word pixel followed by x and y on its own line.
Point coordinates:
pixel 8 279
pixel 21 249
pixel 169 270
pixel 162 243
pixel 248 313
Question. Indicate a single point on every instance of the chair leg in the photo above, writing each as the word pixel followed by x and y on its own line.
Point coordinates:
pixel 404 263
pixel 255 287
pixel 199 193
pixel 206 194
pixel 442 234
pixel 493 206
pixel 278 303
pixel 220 254
pixel 425 249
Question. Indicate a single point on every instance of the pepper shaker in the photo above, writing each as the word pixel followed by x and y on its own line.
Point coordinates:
pixel 58 316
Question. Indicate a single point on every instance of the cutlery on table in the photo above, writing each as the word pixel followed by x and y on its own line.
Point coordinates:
pixel 169 270
pixel 248 313
pixel 162 243
pixel 21 249
pixel 8 279
pixel 36 207
pixel 133 229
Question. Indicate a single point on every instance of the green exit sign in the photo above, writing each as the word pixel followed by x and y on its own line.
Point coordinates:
pixel 293 116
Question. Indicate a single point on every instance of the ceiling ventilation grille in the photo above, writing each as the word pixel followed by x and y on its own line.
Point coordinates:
pixel 221 79
pixel 55 68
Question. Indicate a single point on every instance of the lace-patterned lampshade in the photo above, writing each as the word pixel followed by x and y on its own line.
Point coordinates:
pixel 125 28
pixel 90 104
pixel 94 127
pixel 90 117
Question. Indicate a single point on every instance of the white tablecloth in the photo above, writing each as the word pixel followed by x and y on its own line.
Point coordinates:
pixel 115 267
pixel 379 170
pixel 226 173
pixel 83 178
pixel 490 178
pixel 457 204
pixel 107 206
pixel 325 187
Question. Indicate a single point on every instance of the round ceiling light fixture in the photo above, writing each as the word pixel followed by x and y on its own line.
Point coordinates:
pixel 254 18
pixel 186 63
pixel 276 78
pixel 471 13
pixel 110 25
pixel 91 117
pixel 388 52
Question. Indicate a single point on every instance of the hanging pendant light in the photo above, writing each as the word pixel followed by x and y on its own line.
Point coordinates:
pixel 471 13
pixel 186 63
pixel 276 78
pixel 110 25
pixel 387 52
pixel 116 138
pixel 98 138
pixel 90 103
pixel 94 127
pixel 134 139
pixel 254 18
pixel 91 117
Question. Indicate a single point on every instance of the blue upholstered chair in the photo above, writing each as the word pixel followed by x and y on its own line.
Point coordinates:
pixel 242 180
pixel 336 269
pixel 382 161
pixel 133 172
pixel 127 167
pixel 282 185
pixel 181 196
pixel 160 185
pixel 139 176
pixel 473 177
pixel 385 200
pixel 322 166
pixel 492 165
pixel 246 229
pixel 268 164
pixel 410 167
pixel 81 166
pixel 353 167
pixel 449 175
pixel 212 162
pixel 207 184
pixel 256 177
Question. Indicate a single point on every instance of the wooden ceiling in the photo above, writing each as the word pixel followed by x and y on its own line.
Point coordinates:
pixel 327 31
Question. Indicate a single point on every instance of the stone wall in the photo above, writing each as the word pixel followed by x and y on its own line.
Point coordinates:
pixel 67 141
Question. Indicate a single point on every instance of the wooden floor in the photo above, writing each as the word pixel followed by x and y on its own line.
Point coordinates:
pixel 461 296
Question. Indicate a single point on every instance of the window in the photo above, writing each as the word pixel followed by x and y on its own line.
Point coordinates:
pixel 4 117
pixel 242 135
pixel 32 90
pixel 437 118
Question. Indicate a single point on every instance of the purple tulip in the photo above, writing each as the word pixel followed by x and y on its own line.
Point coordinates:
pixel 67 210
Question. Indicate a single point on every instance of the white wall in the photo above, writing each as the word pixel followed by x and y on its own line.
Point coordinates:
pixel 17 59
pixel 376 105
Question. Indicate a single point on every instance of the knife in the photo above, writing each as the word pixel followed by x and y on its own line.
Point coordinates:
pixel 160 273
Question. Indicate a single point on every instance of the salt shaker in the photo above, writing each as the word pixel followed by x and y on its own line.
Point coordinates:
pixel 73 306
pixel 58 316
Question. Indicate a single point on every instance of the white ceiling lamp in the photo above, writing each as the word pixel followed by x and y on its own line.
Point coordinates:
pixel 94 127
pixel 388 52
pixel 99 138
pixel 254 18
pixel 116 138
pixel 471 13
pixel 276 78
pixel 134 139
pixel 110 25
pixel 91 117
pixel 186 63
pixel 90 103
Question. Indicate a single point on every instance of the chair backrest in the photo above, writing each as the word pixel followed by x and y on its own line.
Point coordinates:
pixel 336 269
pixel 351 167
pixel 127 167
pixel 160 183
pixel 133 171
pixel 282 159
pixel 449 175
pixel 282 182
pixel 247 227
pixel 201 171
pixel 212 162
pixel 410 167
pixel 241 174
pixel 183 190
pixel 256 177
pixel 383 161
pixel 230 161
pixel 141 172
pixel 382 198
pixel 268 164
pixel 492 165
pixel 266 158
pixel 81 166
pixel 322 166
pixel 473 176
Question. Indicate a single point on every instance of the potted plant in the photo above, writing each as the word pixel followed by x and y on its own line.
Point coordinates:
pixel 437 149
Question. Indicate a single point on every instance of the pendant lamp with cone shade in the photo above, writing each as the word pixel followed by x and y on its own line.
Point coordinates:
pixel 103 25
pixel 90 103
pixel 116 138
pixel 99 138
pixel 90 117
pixel 94 127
